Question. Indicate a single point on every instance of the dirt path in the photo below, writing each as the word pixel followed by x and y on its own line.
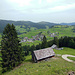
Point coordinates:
pixel 65 57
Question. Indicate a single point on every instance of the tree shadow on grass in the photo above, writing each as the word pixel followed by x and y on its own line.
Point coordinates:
pixel 0 69
pixel 28 60
pixel 0 65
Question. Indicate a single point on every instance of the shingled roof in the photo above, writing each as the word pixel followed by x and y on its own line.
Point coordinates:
pixel 44 53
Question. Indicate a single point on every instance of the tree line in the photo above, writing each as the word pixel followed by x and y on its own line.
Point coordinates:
pixel 67 42
pixel 61 42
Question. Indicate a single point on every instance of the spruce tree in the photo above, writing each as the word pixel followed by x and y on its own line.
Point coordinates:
pixel 33 48
pixel 27 48
pixel 38 46
pixel 56 41
pixel 11 48
pixel 61 42
pixel 44 43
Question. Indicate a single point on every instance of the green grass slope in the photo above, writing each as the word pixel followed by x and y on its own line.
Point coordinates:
pixel 65 51
pixel 54 66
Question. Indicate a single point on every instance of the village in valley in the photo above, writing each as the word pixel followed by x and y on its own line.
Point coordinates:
pixel 38 37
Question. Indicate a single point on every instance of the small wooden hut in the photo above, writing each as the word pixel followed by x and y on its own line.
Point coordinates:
pixel 42 54
pixel 54 46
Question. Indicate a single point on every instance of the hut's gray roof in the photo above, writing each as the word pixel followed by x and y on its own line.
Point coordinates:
pixel 54 46
pixel 44 53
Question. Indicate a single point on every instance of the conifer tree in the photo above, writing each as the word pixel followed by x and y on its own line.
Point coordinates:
pixel 56 41
pixel 11 48
pixel 38 46
pixel 33 48
pixel 61 42
pixel 44 43
pixel 27 48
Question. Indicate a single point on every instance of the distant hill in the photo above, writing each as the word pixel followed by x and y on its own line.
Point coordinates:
pixel 68 23
pixel 3 24
pixel 47 23
pixel 39 25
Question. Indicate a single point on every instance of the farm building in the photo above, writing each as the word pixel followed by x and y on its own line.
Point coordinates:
pixel 42 54
pixel 54 46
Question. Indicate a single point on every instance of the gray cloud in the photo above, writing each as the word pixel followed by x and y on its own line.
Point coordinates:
pixel 43 11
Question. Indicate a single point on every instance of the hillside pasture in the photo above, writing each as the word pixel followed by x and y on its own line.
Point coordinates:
pixel 66 50
pixel 31 43
pixel 54 66
pixel 61 30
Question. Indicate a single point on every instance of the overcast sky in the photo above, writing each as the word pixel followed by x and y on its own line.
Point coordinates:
pixel 56 11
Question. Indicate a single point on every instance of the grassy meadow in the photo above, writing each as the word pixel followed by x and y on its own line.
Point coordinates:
pixel 30 43
pixel 54 66
pixel 65 51
pixel 62 30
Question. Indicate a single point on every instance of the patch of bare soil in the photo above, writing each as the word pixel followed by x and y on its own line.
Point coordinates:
pixel 71 73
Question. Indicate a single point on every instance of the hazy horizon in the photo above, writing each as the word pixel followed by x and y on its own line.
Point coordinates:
pixel 38 21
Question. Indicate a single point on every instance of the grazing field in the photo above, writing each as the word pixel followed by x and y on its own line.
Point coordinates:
pixel 66 50
pixel 54 66
pixel 61 30
pixel 30 43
